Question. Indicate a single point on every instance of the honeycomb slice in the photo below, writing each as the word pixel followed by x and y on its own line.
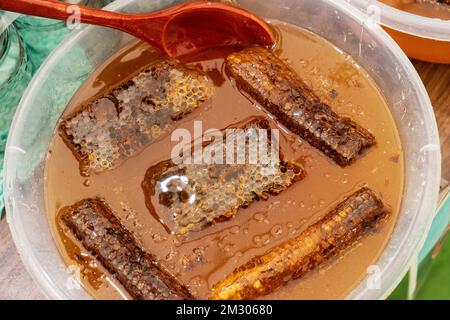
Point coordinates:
pixel 273 84
pixel 120 123
pixel 190 197
pixel 294 258
pixel 93 222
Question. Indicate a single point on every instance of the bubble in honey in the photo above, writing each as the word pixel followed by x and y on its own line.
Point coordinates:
pixel 158 238
pixel 303 63
pixel 235 230
pixel 265 239
pixel 277 231
pixel 93 264
pixel 196 283
pixel 170 255
pixel 259 216
pixel 228 249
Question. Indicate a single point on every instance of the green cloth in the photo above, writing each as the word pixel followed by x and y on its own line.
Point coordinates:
pixel 434 277
pixel 38 37
pixel 437 284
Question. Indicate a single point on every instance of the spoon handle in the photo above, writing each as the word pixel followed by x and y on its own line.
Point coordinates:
pixel 64 11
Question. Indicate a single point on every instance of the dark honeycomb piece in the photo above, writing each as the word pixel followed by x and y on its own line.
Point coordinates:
pixel 193 197
pixel 293 259
pixel 123 121
pixel 274 85
pixel 101 233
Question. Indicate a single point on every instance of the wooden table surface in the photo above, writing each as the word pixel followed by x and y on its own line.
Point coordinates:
pixel 15 283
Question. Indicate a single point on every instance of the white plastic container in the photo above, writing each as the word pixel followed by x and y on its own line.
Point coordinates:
pixel 343 25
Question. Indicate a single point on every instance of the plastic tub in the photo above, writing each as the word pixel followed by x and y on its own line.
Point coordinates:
pixel 340 23
pixel 420 37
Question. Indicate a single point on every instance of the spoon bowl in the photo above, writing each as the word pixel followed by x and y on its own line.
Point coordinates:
pixel 177 31
pixel 201 28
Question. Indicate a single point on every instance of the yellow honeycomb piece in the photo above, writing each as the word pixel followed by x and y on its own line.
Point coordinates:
pixel 123 121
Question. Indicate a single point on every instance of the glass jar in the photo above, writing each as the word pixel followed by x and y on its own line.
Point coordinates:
pixel 42 35
pixel 15 74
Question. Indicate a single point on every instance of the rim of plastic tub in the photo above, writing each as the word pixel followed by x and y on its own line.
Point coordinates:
pixel 406 22
pixel 414 236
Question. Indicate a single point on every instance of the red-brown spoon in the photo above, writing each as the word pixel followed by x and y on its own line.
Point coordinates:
pixel 177 31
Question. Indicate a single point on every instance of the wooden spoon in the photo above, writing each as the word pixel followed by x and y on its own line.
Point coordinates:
pixel 183 29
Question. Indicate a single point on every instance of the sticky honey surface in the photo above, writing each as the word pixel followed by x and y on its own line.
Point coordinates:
pixel 201 259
